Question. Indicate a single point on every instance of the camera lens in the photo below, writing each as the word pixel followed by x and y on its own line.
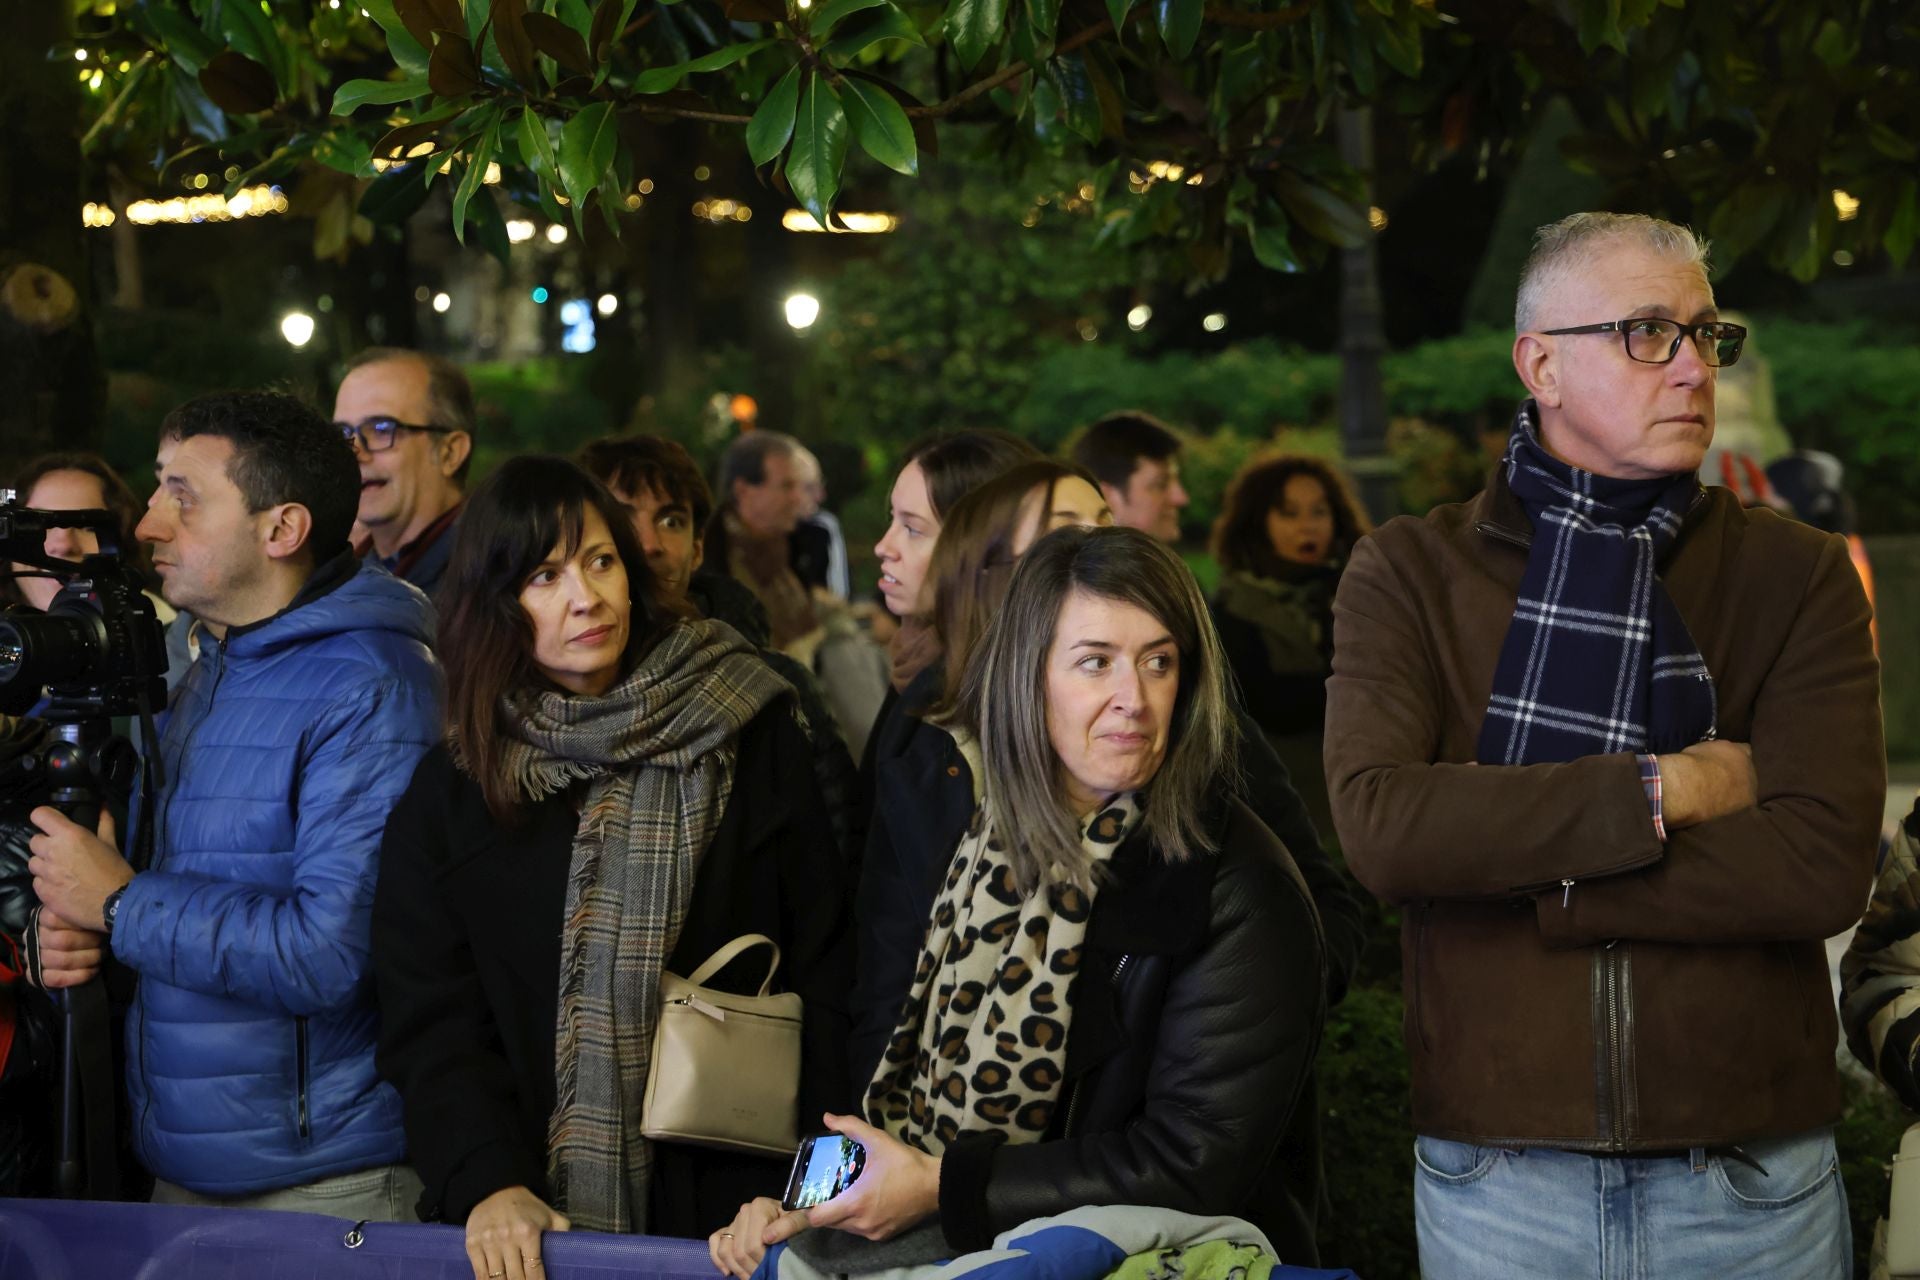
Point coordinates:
pixel 41 649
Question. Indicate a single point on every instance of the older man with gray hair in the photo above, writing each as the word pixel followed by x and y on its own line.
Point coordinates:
pixel 1612 743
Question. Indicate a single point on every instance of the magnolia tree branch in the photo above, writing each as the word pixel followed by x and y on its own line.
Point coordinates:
pixel 1007 74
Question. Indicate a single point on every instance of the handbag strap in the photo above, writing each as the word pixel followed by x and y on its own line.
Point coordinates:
pixel 719 959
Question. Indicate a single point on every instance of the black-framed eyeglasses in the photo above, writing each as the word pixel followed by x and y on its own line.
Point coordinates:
pixel 376 435
pixel 1651 340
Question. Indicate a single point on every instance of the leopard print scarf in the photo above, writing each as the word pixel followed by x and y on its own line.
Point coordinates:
pixel 982 1037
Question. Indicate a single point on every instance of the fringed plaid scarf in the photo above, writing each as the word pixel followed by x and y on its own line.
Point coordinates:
pixel 657 752
pixel 982 1041
pixel 1597 659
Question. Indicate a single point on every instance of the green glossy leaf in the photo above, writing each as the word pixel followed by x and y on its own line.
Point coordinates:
pixel 479 156
pixel 1045 101
pixel 558 41
pixel 609 20
pixel 1599 24
pixel 345 151
pixel 973 27
pixel 819 149
pixel 1179 23
pixel 1079 103
pixel 358 93
pixel 1272 241
pixel 889 23
pixel 1104 76
pixel 1043 20
pixel 772 123
pixel 536 148
pixel 251 31
pixel 186 43
pixel 395 144
pixel 661 79
pixel 577 14
pixel 880 126
pixel 452 71
pixel 203 120
pixel 829 14
pixel 237 84
pixel 434 165
pixel 392 197
pixel 408 53
pixel 1324 214
pixel 587 145
pixel 515 46
pixel 1117 10
pixel 1398 44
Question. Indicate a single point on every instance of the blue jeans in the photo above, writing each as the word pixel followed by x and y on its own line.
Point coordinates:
pixel 1486 1213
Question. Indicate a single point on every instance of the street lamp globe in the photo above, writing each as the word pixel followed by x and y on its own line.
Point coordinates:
pixel 802 310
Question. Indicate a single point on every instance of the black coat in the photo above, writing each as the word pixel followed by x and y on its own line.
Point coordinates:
pixel 923 798
pixel 466 948
pixel 1196 1017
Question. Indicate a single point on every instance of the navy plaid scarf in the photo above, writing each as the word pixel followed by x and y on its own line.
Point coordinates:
pixel 1597 659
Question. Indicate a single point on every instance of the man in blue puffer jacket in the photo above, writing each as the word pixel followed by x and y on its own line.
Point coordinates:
pixel 251 1035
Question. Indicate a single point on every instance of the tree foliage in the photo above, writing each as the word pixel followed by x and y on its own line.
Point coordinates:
pixel 1202 124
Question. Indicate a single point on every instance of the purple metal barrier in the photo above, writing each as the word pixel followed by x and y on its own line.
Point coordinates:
pixel 91 1240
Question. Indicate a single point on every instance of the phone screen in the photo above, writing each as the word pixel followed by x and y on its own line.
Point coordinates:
pixel 823 1168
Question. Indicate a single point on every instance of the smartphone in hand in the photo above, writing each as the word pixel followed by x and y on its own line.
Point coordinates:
pixel 823 1168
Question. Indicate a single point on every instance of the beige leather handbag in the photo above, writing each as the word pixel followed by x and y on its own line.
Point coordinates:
pixel 726 1068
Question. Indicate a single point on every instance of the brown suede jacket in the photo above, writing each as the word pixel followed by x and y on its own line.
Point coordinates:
pixel 1673 995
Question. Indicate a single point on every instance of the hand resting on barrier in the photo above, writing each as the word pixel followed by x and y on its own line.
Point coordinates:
pixel 503 1235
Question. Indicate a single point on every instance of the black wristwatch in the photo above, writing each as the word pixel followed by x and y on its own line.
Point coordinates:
pixel 110 909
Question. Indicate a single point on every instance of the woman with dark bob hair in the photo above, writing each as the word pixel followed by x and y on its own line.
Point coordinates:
pixel 1285 531
pixel 1120 989
pixel 621 791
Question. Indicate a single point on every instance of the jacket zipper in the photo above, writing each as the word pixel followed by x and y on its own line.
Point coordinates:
pixel 1073 1103
pixel 300 1068
pixel 1419 964
pixel 1616 1001
pixel 157 815
pixel 1503 534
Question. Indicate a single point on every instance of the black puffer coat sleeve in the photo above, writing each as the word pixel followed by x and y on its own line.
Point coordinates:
pixel 1234 1046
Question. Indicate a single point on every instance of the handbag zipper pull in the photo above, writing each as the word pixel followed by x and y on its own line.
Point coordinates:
pixel 1566 892
pixel 713 1011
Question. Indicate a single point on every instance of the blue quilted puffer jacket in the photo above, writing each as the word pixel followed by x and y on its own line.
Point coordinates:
pixel 250 1040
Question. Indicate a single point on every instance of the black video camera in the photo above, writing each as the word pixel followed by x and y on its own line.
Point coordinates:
pixel 99 649
pixel 97 652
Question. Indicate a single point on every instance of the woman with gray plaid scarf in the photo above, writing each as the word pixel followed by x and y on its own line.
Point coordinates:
pixel 621 792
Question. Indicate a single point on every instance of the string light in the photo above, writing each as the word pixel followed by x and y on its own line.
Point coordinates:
pixel 862 223
pixel 249 202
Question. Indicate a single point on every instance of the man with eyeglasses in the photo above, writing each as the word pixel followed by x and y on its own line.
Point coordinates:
pixel 1612 744
pixel 409 417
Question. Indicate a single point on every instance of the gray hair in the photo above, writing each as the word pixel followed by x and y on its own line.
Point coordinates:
pixel 1571 244
pixel 746 459
pixel 1003 700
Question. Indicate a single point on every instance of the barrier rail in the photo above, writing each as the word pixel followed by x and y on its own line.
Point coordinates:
pixel 92 1240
